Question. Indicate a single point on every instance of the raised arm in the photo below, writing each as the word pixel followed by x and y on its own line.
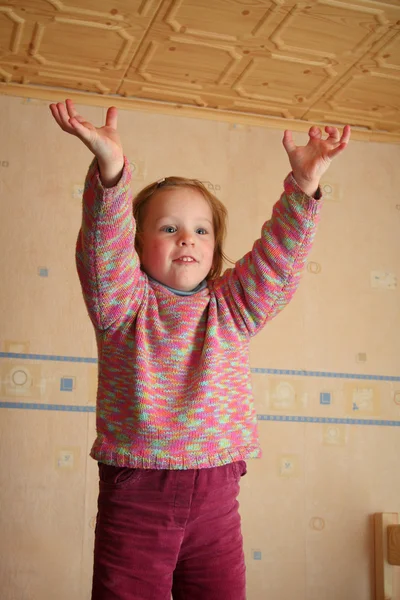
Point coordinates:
pixel 107 263
pixel 265 279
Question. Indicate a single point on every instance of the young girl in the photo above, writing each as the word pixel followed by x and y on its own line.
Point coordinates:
pixel 175 415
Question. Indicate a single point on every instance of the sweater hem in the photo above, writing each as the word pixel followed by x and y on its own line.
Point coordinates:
pixel 123 457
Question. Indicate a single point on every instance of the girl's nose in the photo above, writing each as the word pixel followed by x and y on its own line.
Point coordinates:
pixel 186 239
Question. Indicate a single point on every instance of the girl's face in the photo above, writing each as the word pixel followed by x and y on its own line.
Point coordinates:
pixel 178 238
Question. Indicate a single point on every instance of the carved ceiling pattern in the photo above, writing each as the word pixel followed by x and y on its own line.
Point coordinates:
pixel 284 63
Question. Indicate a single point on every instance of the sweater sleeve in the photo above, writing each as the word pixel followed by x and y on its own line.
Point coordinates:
pixel 107 263
pixel 265 279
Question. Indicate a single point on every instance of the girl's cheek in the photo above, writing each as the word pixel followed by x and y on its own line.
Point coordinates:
pixel 160 248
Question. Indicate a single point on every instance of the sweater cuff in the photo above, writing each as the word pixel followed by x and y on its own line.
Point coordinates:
pixel 293 190
pixel 93 176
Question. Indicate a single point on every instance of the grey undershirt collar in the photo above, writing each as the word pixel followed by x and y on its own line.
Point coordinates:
pixel 201 286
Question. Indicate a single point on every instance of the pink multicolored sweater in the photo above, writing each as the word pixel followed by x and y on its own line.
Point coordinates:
pixel 174 388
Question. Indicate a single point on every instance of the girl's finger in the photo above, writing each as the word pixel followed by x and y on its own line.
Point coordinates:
pixel 74 114
pixel 64 117
pixel 59 114
pixel 345 135
pixel 288 142
pixel 337 150
pixel 71 108
pixel 112 117
pixel 333 133
pixel 54 112
pixel 315 132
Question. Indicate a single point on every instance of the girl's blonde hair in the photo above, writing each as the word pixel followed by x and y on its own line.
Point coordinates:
pixel 219 212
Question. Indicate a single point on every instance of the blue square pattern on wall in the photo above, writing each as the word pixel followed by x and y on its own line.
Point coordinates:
pixel 325 398
pixel 66 384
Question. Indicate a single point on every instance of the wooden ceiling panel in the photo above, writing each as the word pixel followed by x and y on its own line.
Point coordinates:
pixel 106 48
pixel 325 28
pixel 388 55
pixel 283 80
pixel 43 41
pixel 283 63
pixel 361 95
pixel 185 62
pixel 119 10
pixel 82 82
pixel 154 93
pixel 228 20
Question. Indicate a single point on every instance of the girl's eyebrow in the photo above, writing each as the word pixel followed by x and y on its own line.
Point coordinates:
pixel 173 218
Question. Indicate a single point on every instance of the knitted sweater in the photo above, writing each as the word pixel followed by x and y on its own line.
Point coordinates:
pixel 174 389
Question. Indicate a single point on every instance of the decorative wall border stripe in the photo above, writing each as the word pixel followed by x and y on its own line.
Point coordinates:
pixel 292 372
pixel 78 359
pixel 336 420
pixel 56 407
pixel 286 418
pixel 303 373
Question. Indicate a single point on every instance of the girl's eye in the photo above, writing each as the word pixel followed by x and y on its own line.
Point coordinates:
pixel 201 231
pixel 168 229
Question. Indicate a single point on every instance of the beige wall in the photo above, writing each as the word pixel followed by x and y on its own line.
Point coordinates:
pixel 306 504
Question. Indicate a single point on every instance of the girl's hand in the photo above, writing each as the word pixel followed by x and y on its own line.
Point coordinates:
pixel 310 162
pixel 104 141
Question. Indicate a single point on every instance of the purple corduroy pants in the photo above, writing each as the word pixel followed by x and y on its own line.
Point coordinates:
pixel 163 532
